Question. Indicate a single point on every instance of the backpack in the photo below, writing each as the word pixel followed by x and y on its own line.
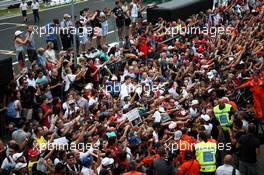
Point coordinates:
pixel 11 109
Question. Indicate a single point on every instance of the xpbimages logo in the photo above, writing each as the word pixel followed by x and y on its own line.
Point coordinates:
pixel 182 146
pixel 52 30
pixel 194 30
pixel 65 146
pixel 142 87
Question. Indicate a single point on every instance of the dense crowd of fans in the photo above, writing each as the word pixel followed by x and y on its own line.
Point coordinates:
pixel 188 104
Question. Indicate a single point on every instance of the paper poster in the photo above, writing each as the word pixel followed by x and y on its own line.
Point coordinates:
pixel 134 117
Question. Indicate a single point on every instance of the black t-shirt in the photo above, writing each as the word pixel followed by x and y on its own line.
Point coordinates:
pixel 88 77
pixel 96 23
pixel 248 144
pixel 215 131
pixel 237 137
pixel 119 13
pixel 27 96
pixel 56 92
pixel 161 166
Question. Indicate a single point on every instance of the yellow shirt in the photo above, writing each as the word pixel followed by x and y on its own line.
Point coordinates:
pixel 41 140
pixel 30 165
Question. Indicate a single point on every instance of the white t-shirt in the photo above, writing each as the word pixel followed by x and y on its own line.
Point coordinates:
pixel 193 112
pixel 50 54
pixel 208 128
pixel 134 10
pixel 18 112
pixel 92 101
pixel 6 165
pixel 217 19
pixel 155 137
pixel 157 117
pixel 32 82
pixel 173 92
pixel 35 6
pixel 69 79
pixel 56 161
pixel 226 170
pixel 122 118
pixel 23 6
pixel 87 171
pixel 245 124
pixel 125 90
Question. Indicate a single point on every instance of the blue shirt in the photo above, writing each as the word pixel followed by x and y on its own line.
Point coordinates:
pixel 41 60
pixel 50 30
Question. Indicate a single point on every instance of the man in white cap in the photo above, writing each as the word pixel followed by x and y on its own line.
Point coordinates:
pixel 177 135
pixel 194 109
pixel 205 121
pixel 113 86
pixel 105 163
pixel 21 168
pixel 66 36
pixel 19 48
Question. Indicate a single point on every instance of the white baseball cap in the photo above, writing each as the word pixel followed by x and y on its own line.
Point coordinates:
pixel 89 86
pixel 20 165
pixel 114 77
pixel 210 75
pixel 17 156
pixel 107 161
pixel 66 15
pixel 172 125
pixel 205 117
pixel 18 32
pixel 195 102
pixel 177 135
pixel 161 109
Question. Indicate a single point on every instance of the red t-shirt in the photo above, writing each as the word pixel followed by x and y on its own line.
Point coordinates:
pixel 93 69
pixel 45 121
pixel 143 48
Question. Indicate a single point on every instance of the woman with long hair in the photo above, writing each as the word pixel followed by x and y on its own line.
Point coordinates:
pixel 50 55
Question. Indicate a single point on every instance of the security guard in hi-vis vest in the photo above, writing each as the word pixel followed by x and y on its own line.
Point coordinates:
pixel 223 113
pixel 205 152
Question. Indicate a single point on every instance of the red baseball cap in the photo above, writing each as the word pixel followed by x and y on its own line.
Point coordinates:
pixel 33 153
